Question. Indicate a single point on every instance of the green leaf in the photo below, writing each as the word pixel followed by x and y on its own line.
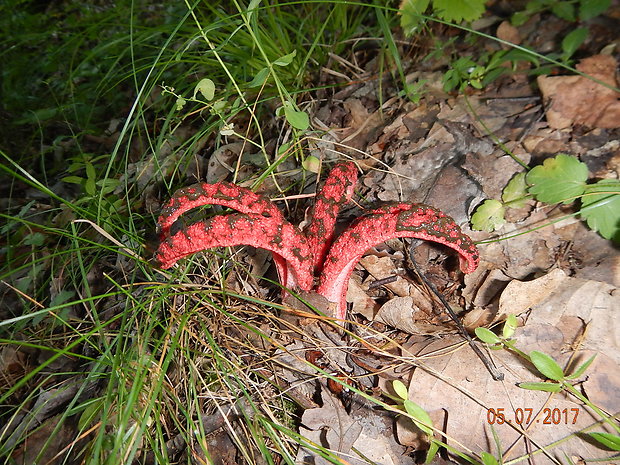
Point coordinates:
pixel 486 335
pixel 564 10
pixel 312 164
pixel 603 214
pixel 612 441
pixel 582 368
pixel 510 326
pixel 515 191
pixel 573 41
pixel 180 103
pixel 432 452
pixel 419 416
pixel 488 459
pixel 410 15
pixel 286 59
pixel 400 389
pixel 259 78
pixel 62 297
pixel 559 179
pixel 207 88
pixel 546 365
pixel 588 9
pixel 90 413
pixel 90 187
pixel 489 216
pixel 91 172
pixel 547 387
pixel 251 7
pixel 73 179
pixel 297 119
pixel 459 10
pixel 519 18
pixel 36 239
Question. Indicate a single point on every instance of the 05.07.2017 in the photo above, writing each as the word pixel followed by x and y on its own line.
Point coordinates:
pixel 524 416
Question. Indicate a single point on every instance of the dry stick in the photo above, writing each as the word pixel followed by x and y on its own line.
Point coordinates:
pixel 488 363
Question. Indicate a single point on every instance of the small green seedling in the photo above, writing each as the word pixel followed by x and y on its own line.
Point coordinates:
pixel 562 179
pixel 420 418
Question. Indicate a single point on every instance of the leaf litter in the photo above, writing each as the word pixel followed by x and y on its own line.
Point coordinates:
pixel 561 281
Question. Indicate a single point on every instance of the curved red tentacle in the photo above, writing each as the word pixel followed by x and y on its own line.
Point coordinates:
pixel 222 193
pixel 283 239
pixel 400 220
pixel 336 191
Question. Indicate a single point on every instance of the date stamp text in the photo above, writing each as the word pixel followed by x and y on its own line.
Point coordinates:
pixel 527 416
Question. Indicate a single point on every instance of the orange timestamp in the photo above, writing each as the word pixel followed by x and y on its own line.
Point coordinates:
pixel 526 416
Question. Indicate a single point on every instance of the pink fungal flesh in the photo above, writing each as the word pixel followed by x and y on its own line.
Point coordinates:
pixel 335 193
pixel 281 238
pixel 222 193
pixel 298 256
pixel 401 220
pixel 227 195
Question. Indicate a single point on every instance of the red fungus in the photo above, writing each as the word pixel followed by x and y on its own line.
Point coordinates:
pixel 281 238
pixel 336 192
pixel 301 256
pixel 400 220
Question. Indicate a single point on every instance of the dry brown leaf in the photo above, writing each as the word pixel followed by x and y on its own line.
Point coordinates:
pixel 355 437
pixel 559 307
pixel 579 100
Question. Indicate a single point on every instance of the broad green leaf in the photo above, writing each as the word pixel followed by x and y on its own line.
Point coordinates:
pixel 489 216
pixel 286 59
pixel 400 389
pixel 260 78
pixel 546 365
pixel 564 10
pixel 207 88
pixel 609 440
pixel 35 239
pixel 573 41
pixel 588 9
pixel 488 459
pixel 410 11
pixel 559 179
pixel 90 186
pixel 91 172
pixel 312 164
pixel 582 368
pixel 547 387
pixel 419 416
pixel 297 119
pixel 604 212
pixel 486 335
pixel 459 10
pixel 90 413
pixel 62 297
pixel 73 179
pixel 284 148
pixel 515 191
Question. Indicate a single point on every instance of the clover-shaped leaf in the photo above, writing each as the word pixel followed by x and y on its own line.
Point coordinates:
pixel 515 191
pixel 489 216
pixel 603 214
pixel 559 179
